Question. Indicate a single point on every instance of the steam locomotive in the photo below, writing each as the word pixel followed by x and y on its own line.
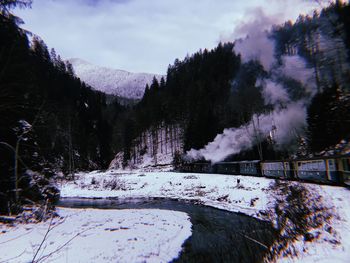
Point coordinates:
pixel 333 170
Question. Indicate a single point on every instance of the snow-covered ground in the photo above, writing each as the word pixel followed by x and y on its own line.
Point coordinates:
pixel 219 191
pixel 251 195
pixel 334 242
pixel 94 235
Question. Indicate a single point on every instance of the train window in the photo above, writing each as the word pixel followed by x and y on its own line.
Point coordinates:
pixel 331 165
pixel 312 165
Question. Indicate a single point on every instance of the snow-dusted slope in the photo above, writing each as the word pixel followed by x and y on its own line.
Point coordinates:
pixel 249 195
pixel 153 150
pixel 112 81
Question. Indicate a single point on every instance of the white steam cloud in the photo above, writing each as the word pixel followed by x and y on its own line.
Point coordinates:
pixel 256 47
pixel 295 67
pixel 288 119
pixel 255 44
pixel 274 93
pixel 288 122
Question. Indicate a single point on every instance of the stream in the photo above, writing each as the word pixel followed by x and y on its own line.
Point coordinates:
pixel 217 235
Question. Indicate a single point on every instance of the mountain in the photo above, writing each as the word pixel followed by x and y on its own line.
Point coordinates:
pixel 112 81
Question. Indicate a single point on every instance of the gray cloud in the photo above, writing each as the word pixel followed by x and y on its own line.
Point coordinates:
pixel 143 35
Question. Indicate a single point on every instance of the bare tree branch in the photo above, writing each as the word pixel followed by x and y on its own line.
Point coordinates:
pixel 60 248
pixel 44 239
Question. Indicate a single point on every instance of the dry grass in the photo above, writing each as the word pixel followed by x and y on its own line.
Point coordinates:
pixel 297 213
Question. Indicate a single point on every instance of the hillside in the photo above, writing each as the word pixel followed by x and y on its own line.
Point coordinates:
pixel 112 81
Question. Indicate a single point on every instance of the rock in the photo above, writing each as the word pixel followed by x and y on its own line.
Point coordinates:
pixel 222 198
pixel 308 237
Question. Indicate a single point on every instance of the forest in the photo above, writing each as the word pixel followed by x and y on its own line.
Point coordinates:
pixel 52 124
pixel 220 88
pixel 50 120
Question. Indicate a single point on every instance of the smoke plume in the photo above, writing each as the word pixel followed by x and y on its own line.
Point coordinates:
pixel 295 68
pixel 254 43
pixel 288 119
pixel 288 122
pixel 274 93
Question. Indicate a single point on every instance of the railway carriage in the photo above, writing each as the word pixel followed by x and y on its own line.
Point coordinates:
pixel 227 168
pixel 276 169
pixel 250 168
pixel 343 164
pixel 330 170
pixel 198 167
pixel 311 170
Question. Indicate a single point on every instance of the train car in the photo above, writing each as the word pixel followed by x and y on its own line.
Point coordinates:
pixel 239 167
pixel 330 170
pixel 322 169
pixel 226 168
pixel 311 170
pixel 199 167
pixel 276 169
pixel 343 165
pixel 250 168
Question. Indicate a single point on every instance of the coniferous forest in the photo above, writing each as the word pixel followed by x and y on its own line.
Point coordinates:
pixel 50 120
pixel 53 123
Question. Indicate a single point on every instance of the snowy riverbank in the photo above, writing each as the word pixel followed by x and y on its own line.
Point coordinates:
pixel 94 235
pixel 250 196
pixel 220 191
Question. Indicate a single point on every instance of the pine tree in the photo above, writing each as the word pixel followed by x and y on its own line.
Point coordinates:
pixel 7 5
pixel 328 118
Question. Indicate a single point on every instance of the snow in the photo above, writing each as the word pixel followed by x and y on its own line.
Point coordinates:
pixel 206 188
pixel 112 81
pixel 250 195
pixel 94 235
pixel 109 235
pixel 320 251
pixel 144 162
pixel 154 150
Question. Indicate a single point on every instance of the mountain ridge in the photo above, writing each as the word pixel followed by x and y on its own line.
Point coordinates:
pixel 111 81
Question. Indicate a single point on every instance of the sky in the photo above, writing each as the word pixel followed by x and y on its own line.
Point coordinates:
pixel 147 35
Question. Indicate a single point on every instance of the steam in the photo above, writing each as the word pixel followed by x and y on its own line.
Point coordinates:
pixel 295 68
pixel 289 122
pixel 256 45
pixel 274 93
pixel 288 119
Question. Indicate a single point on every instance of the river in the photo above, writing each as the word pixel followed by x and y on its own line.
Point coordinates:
pixel 217 235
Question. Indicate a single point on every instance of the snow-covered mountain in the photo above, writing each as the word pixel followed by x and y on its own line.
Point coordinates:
pixel 112 81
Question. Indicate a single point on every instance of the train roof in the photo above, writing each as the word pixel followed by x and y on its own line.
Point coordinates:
pixel 315 158
pixel 276 161
pixel 237 162
pixel 322 157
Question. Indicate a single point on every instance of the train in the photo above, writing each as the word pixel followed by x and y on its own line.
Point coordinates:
pixel 333 170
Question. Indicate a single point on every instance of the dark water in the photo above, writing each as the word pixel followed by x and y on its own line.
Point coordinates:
pixel 217 235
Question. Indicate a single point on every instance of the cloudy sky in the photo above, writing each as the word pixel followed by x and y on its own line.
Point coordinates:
pixel 147 35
